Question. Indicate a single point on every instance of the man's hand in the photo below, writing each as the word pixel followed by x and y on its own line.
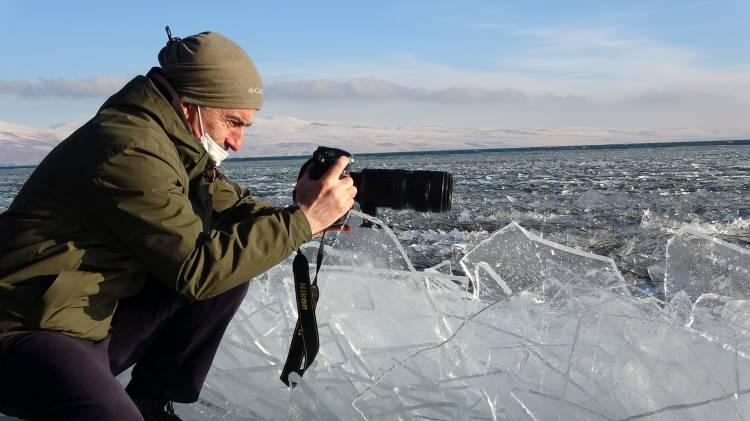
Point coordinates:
pixel 326 200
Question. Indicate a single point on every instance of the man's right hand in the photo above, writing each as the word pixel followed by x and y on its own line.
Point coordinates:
pixel 326 200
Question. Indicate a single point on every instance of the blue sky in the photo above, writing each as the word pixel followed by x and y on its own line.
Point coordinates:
pixel 463 64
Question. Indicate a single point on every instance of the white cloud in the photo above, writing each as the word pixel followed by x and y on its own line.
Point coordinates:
pixel 329 89
pixel 558 76
pixel 609 64
pixel 96 87
pixel 598 63
pixel 370 89
pixel 600 77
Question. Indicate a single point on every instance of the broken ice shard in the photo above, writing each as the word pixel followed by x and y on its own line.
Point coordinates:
pixel 603 356
pixel 698 263
pixel 592 199
pixel 402 344
pixel 513 260
pixel 371 245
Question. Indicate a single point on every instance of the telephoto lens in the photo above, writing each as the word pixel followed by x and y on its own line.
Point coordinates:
pixel 423 191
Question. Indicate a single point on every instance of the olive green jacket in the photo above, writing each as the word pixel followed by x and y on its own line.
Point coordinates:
pixel 124 200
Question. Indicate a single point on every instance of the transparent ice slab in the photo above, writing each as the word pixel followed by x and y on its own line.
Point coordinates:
pixel 572 343
pixel 609 357
pixel 723 320
pixel 368 321
pixel 367 247
pixel 698 263
pixel 396 347
pixel 513 260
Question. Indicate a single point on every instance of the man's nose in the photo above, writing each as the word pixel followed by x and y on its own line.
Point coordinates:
pixel 235 139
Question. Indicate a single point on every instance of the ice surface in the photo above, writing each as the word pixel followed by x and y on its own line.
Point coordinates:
pixel 606 357
pixel 724 320
pixel 656 273
pixel 569 342
pixel 367 322
pixel 698 263
pixel 442 267
pixel 374 247
pixel 514 260
pixel 591 199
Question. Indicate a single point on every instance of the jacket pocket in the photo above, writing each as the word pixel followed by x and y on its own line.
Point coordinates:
pixel 72 305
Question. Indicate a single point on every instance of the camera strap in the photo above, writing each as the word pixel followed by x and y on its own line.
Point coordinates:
pixel 305 341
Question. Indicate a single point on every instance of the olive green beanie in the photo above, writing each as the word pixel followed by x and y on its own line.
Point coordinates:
pixel 211 70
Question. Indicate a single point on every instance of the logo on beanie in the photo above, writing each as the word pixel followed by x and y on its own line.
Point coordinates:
pixel 251 90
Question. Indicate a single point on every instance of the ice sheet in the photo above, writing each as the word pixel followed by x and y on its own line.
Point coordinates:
pixel 513 260
pixel 393 348
pixel 723 320
pixel 409 345
pixel 698 263
pixel 592 199
pixel 607 357
pixel 367 322
pixel 374 247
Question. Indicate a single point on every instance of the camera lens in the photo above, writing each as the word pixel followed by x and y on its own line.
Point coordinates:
pixel 424 191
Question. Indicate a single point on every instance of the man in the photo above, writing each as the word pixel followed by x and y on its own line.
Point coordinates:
pixel 127 245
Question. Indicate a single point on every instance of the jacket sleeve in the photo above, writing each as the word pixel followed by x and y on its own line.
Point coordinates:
pixel 144 210
pixel 228 195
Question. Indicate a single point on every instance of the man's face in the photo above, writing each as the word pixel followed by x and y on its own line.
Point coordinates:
pixel 226 126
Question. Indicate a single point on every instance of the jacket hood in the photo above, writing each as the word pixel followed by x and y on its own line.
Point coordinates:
pixel 153 95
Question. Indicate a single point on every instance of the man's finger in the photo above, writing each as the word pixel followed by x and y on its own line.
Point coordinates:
pixel 347 182
pixel 334 173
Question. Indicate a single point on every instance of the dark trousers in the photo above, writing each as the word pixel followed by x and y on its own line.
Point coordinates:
pixel 47 375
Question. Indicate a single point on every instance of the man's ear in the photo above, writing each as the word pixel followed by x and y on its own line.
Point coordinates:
pixel 191 116
pixel 187 110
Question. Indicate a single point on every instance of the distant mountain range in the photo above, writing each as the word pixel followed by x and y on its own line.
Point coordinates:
pixel 26 145
pixel 284 136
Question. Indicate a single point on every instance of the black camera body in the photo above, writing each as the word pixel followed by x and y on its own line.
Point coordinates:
pixel 323 159
pixel 424 191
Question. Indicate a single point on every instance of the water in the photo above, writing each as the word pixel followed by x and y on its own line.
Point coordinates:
pixel 621 203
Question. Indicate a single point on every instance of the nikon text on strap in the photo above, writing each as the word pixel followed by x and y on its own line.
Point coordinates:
pixel 305 342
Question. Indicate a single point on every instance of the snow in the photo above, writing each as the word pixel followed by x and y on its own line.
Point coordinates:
pixel 291 136
pixel 22 145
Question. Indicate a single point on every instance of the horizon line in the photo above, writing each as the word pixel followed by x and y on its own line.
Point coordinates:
pixel 662 144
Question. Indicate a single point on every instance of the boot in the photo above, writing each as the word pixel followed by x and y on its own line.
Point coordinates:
pixel 155 409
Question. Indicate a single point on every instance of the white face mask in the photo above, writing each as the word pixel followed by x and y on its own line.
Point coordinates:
pixel 215 152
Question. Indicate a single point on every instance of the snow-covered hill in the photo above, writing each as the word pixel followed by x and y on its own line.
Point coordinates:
pixel 27 145
pixel 278 136
pixel 282 136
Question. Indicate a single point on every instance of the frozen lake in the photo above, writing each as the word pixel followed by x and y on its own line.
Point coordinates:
pixel 481 318
pixel 621 203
